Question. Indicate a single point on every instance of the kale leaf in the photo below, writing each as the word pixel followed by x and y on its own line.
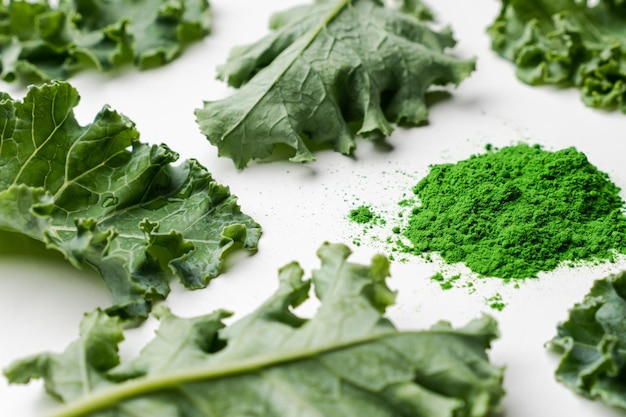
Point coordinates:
pixel 592 343
pixel 41 42
pixel 567 43
pixel 346 359
pixel 329 72
pixel 102 198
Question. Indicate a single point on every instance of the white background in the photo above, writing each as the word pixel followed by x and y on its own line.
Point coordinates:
pixel 301 206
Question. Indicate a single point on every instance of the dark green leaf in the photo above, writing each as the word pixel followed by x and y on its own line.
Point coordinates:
pixel 592 343
pixel 567 43
pixel 102 198
pixel 41 42
pixel 329 72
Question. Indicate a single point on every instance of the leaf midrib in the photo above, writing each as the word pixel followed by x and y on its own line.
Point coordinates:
pixel 314 33
pixel 39 147
pixel 150 384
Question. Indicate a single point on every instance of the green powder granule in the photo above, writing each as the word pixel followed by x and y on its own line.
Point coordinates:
pixel 438 277
pixel 364 215
pixel 514 212
pixel 495 302
pixel 446 284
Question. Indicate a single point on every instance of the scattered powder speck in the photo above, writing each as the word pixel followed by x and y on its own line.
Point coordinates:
pixel 445 283
pixel 495 302
pixel 437 277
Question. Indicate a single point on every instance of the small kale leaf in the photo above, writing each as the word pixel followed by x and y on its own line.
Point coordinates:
pixel 102 198
pixel 329 72
pixel 345 359
pixel 592 343
pixel 567 43
pixel 41 42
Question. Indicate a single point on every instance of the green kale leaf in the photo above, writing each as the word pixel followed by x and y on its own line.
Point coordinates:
pixel 567 43
pixel 592 343
pixel 346 359
pixel 104 199
pixel 41 42
pixel 329 72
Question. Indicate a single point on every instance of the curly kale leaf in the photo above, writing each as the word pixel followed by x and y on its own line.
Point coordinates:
pixel 345 359
pixel 102 198
pixel 41 42
pixel 329 72
pixel 567 43
pixel 592 343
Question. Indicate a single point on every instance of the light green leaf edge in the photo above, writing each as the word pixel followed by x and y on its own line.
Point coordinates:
pixel 346 359
pixel 102 198
pixel 328 73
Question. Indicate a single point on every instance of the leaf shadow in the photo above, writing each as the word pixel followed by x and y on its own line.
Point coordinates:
pixel 283 152
pixel 382 145
pixel 434 97
pixel 14 246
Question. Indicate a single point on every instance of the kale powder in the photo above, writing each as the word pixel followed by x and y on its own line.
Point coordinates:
pixel 514 212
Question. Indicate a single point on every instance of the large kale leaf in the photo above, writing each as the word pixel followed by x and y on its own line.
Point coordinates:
pixel 327 73
pixel 41 42
pixel 592 343
pixel 102 198
pixel 346 360
pixel 567 43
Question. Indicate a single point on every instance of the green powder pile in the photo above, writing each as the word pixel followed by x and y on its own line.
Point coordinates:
pixel 514 212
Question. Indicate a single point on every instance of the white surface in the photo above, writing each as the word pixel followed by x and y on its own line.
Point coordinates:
pixel 301 206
